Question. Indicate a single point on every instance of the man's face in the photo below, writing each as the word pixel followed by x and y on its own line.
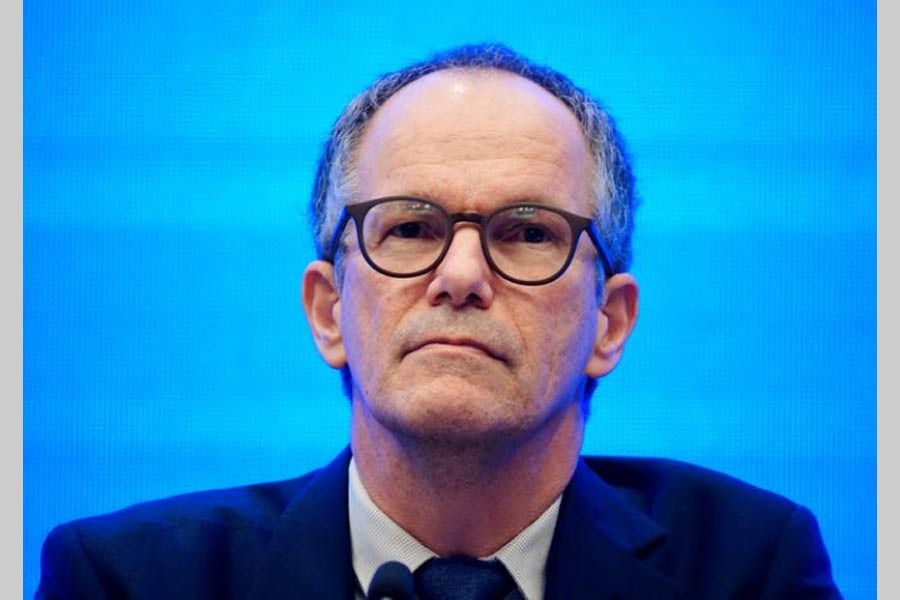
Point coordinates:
pixel 461 353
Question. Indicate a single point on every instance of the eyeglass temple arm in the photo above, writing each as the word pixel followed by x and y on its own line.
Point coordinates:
pixel 336 239
pixel 602 250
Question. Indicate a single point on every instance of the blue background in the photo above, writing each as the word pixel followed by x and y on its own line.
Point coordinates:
pixel 168 155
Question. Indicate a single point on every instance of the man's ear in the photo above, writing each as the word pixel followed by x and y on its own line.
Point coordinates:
pixel 617 318
pixel 322 303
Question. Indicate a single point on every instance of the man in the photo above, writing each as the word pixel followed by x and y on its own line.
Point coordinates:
pixel 473 215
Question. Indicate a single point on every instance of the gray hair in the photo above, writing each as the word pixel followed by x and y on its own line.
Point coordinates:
pixel 614 194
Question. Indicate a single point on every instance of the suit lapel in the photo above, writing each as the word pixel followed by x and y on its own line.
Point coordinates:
pixel 600 545
pixel 309 553
pixel 598 551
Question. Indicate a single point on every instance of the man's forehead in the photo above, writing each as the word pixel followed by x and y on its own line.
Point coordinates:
pixel 468 90
pixel 449 124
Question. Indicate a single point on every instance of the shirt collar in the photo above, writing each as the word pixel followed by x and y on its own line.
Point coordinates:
pixel 376 539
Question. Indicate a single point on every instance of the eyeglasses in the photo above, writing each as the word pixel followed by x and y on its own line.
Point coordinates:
pixel 528 244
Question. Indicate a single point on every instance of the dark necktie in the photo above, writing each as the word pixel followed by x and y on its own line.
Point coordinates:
pixel 463 578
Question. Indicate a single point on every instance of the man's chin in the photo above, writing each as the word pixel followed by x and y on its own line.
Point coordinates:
pixel 444 409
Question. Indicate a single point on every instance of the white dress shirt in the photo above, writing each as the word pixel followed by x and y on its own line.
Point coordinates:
pixel 376 539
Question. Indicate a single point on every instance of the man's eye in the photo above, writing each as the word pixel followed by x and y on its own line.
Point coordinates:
pixel 408 230
pixel 535 235
pixel 528 234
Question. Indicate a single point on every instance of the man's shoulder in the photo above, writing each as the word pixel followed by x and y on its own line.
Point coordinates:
pixel 717 535
pixel 187 545
pixel 246 512
pixel 669 489
pixel 254 506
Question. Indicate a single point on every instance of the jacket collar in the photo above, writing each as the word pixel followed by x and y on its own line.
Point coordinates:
pixel 601 545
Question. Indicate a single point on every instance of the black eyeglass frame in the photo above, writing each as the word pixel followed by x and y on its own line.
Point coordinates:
pixel 577 223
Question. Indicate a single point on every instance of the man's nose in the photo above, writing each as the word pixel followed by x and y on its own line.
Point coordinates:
pixel 464 275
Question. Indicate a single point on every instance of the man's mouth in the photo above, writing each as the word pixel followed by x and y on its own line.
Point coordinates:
pixel 462 343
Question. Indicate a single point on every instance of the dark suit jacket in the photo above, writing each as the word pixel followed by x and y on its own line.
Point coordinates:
pixel 628 528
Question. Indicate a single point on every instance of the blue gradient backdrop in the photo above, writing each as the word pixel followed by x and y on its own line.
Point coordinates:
pixel 169 148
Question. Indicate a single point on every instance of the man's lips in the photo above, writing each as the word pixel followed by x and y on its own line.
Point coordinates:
pixel 460 342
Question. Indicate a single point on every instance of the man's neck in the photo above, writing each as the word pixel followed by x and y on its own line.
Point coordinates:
pixel 466 498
